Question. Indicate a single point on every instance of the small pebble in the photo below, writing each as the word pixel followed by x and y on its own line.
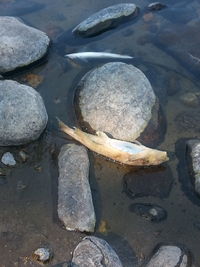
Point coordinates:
pixel 42 254
pixel 156 6
pixel 8 159
pixel 190 99
pixel 23 155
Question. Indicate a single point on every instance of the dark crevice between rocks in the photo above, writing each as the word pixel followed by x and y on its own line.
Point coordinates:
pixel 185 174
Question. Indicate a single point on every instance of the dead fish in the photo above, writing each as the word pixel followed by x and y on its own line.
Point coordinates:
pixel 95 55
pixel 117 150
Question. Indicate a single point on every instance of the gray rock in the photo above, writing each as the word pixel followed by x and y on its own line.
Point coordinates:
pixel 75 206
pixel 20 44
pixel 42 254
pixel 117 98
pixel 96 252
pixel 8 159
pixel 156 6
pixel 22 114
pixel 105 19
pixel 194 156
pixel 169 256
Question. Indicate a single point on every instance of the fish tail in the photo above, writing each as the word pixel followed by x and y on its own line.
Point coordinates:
pixel 64 128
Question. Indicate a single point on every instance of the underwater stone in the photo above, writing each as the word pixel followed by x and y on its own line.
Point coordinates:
pixel 194 158
pixel 169 256
pixel 42 254
pixel 22 114
pixel 93 251
pixel 8 159
pixel 105 19
pixel 116 98
pixel 150 212
pixel 155 181
pixel 75 206
pixel 20 45
pixel 156 6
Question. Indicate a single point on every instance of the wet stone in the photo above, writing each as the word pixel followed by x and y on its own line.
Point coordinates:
pixel 42 254
pixel 169 256
pixel 20 45
pixel 8 159
pixel 75 206
pixel 188 120
pixel 150 212
pixel 156 6
pixel 23 115
pixel 193 148
pixel 105 19
pixel 154 181
pixel 93 251
pixel 190 99
pixel 117 93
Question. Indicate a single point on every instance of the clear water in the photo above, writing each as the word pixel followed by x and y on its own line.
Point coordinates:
pixel 28 194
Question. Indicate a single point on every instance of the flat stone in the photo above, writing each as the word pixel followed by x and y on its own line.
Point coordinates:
pixel 93 251
pixel 190 99
pixel 22 114
pixel 155 181
pixel 105 19
pixel 20 45
pixel 8 159
pixel 116 98
pixel 150 212
pixel 75 206
pixel 169 256
pixel 193 147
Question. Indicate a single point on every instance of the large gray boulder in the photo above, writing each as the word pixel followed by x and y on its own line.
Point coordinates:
pixel 193 146
pixel 96 252
pixel 20 44
pixel 116 98
pixel 75 206
pixel 22 113
pixel 169 256
pixel 105 19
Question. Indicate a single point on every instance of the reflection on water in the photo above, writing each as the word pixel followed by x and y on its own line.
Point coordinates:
pixel 165 46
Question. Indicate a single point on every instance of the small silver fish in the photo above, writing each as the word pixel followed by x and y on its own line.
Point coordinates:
pixel 95 55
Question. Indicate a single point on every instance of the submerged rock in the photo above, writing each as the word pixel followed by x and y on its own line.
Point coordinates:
pixel 105 19
pixel 42 254
pixel 190 99
pixel 169 256
pixel 22 114
pixel 188 121
pixel 93 251
pixel 20 45
pixel 154 181
pixel 8 159
pixel 150 212
pixel 156 6
pixel 75 206
pixel 116 98
pixel 193 147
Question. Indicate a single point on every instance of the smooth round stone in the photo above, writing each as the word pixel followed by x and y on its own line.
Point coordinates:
pixel 22 114
pixel 116 98
pixel 20 45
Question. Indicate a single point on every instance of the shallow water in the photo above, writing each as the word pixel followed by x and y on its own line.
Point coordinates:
pixel 28 194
